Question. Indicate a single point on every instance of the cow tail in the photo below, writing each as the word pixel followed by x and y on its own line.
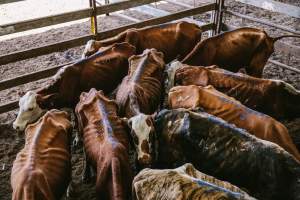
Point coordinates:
pixel 117 187
pixel 283 36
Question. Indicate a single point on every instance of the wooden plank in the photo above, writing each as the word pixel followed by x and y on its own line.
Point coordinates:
pixel 60 46
pixel 274 6
pixel 9 83
pixel 9 106
pixel 42 50
pixel 262 22
pixel 179 3
pixel 9 1
pixel 68 16
pixel 284 66
pixel 281 46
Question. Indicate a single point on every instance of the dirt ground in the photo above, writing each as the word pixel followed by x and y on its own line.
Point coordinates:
pixel 11 142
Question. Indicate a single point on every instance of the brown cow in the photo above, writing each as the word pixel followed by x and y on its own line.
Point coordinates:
pixel 273 97
pixel 139 96
pixel 106 145
pixel 42 170
pixel 184 182
pixel 104 70
pixel 232 111
pixel 173 39
pixel 248 48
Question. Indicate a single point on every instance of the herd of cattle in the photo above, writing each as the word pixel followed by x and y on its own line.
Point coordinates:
pixel 127 91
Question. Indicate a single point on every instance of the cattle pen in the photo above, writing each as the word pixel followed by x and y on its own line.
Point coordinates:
pixel 218 16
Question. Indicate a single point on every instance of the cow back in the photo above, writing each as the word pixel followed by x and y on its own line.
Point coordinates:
pixel 43 167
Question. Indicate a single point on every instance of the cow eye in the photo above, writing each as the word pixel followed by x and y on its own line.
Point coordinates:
pixel 30 109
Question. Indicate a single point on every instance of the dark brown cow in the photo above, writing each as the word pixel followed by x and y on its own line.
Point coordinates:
pixel 248 48
pixel 232 111
pixel 106 145
pixel 104 70
pixel 183 183
pixel 273 97
pixel 42 170
pixel 173 39
pixel 226 152
pixel 139 96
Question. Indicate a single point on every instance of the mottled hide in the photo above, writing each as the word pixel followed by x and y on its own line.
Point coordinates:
pixel 139 96
pixel 104 70
pixel 183 183
pixel 42 169
pixel 173 39
pixel 232 111
pixel 106 145
pixel 228 153
pixel 248 48
pixel 273 97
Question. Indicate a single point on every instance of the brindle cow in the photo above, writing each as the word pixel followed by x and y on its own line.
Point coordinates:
pixel 42 169
pixel 273 97
pixel 106 145
pixel 139 96
pixel 183 183
pixel 104 70
pixel 232 111
pixel 173 39
pixel 248 48
pixel 228 153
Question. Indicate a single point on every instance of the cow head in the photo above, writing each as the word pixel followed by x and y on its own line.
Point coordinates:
pixel 91 47
pixel 29 111
pixel 143 134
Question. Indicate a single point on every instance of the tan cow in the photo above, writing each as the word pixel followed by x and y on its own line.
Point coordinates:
pixel 273 97
pixel 104 70
pixel 248 48
pixel 139 96
pixel 183 183
pixel 232 111
pixel 175 40
pixel 106 145
pixel 42 169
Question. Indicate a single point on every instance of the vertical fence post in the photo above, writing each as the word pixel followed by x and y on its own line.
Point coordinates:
pixel 94 18
pixel 220 16
pixel 212 20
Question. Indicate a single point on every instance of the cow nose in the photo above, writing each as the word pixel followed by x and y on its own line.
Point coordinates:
pixel 145 160
pixel 17 127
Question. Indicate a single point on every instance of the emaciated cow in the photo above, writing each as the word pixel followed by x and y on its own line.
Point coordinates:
pixel 173 39
pixel 42 169
pixel 183 183
pixel 139 96
pixel 273 97
pixel 104 70
pixel 232 111
pixel 228 153
pixel 106 145
pixel 248 48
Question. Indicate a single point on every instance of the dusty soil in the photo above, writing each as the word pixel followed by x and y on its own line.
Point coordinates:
pixel 11 142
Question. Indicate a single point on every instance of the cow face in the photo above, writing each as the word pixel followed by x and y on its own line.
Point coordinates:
pixel 90 49
pixel 143 134
pixel 29 111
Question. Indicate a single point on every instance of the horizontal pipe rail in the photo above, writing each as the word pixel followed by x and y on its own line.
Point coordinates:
pixel 262 22
pixel 68 16
pixel 284 66
pixel 60 46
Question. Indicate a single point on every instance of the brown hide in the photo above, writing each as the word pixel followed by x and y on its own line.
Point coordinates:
pixel 248 48
pixel 232 111
pixel 173 39
pixel 104 70
pixel 183 183
pixel 140 90
pixel 42 169
pixel 273 97
pixel 106 145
